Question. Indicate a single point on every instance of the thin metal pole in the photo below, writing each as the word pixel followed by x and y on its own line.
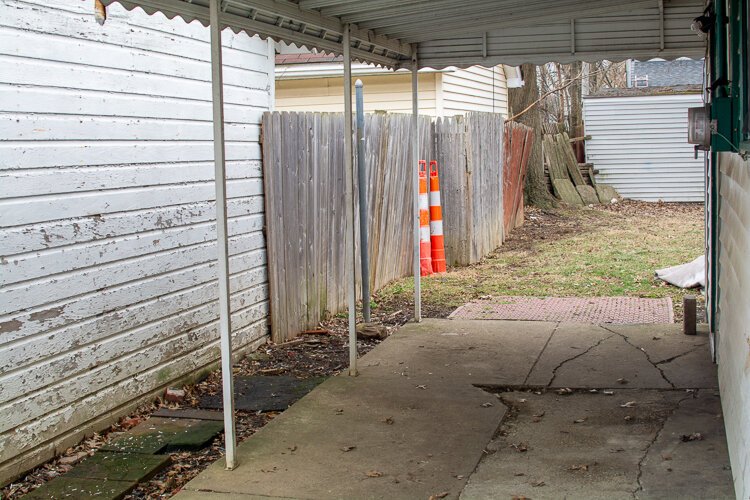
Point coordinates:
pixel 363 200
pixel 415 177
pixel 350 213
pixel 225 324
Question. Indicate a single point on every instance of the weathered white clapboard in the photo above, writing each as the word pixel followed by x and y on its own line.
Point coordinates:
pixel 107 236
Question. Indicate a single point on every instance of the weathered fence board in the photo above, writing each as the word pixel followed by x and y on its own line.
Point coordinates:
pixel 306 211
pixel 517 143
pixel 469 151
pixel 303 157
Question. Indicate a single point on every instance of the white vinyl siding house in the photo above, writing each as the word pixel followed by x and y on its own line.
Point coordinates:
pixel 310 87
pixel 107 235
pixel 639 145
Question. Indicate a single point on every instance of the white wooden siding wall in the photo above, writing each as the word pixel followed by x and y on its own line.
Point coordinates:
pixel 388 92
pixel 473 89
pixel 639 145
pixel 107 252
pixel 733 349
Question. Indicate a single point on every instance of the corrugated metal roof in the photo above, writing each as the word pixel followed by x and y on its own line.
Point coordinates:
pixel 639 146
pixel 466 33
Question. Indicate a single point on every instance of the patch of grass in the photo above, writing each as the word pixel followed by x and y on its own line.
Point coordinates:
pixel 600 253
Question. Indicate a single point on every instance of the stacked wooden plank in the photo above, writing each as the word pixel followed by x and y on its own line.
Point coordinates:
pixel 568 183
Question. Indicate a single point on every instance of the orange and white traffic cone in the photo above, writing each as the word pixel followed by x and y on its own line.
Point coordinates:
pixel 425 256
pixel 436 222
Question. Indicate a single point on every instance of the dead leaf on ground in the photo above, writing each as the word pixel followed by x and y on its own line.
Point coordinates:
pixel 695 436
pixel 348 448
pixel 486 405
pixel 389 421
pixel 439 495
pixel 520 447
pixel 374 473
pixel 537 484
pixel 581 467
pixel 421 386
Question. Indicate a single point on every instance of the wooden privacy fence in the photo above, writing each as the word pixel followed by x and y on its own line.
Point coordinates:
pixel 469 151
pixel 304 180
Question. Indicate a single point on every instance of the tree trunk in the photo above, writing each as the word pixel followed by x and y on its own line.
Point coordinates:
pixel 535 189
pixel 576 103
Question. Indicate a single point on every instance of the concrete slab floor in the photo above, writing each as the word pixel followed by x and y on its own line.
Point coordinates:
pixel 590 445
pixel 415 424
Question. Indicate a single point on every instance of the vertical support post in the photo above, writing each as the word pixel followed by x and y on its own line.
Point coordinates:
pixel 225 325
pixel 351 211
pixel 415 182
pixel 661 24
pixel 364 249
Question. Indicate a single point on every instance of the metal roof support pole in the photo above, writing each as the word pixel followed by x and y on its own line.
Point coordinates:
pixel 225 325
pixel 415 183
pixel 350 213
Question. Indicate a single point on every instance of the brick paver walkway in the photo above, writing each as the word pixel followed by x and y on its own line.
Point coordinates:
pixel 596 310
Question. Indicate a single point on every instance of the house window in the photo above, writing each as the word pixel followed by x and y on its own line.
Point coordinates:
pixel 641 81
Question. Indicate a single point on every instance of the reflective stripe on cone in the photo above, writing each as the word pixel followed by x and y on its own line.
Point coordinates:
pixel 425 254
pixel 436 222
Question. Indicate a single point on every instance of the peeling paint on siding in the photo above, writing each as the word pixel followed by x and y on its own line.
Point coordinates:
pixel 107 236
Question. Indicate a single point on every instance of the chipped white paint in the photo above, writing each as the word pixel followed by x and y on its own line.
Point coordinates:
pixel 107 236
pixel 733 349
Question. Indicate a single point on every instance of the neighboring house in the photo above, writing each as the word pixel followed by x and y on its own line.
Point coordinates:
pixel 313 82
pixel 639 142
pixel 108 287
pixel 661 73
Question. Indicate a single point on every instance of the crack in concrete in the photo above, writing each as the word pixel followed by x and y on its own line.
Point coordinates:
pixel 639 473
pixel 648 358
pixel 669 360
pixel 595 345
pixel 531 370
